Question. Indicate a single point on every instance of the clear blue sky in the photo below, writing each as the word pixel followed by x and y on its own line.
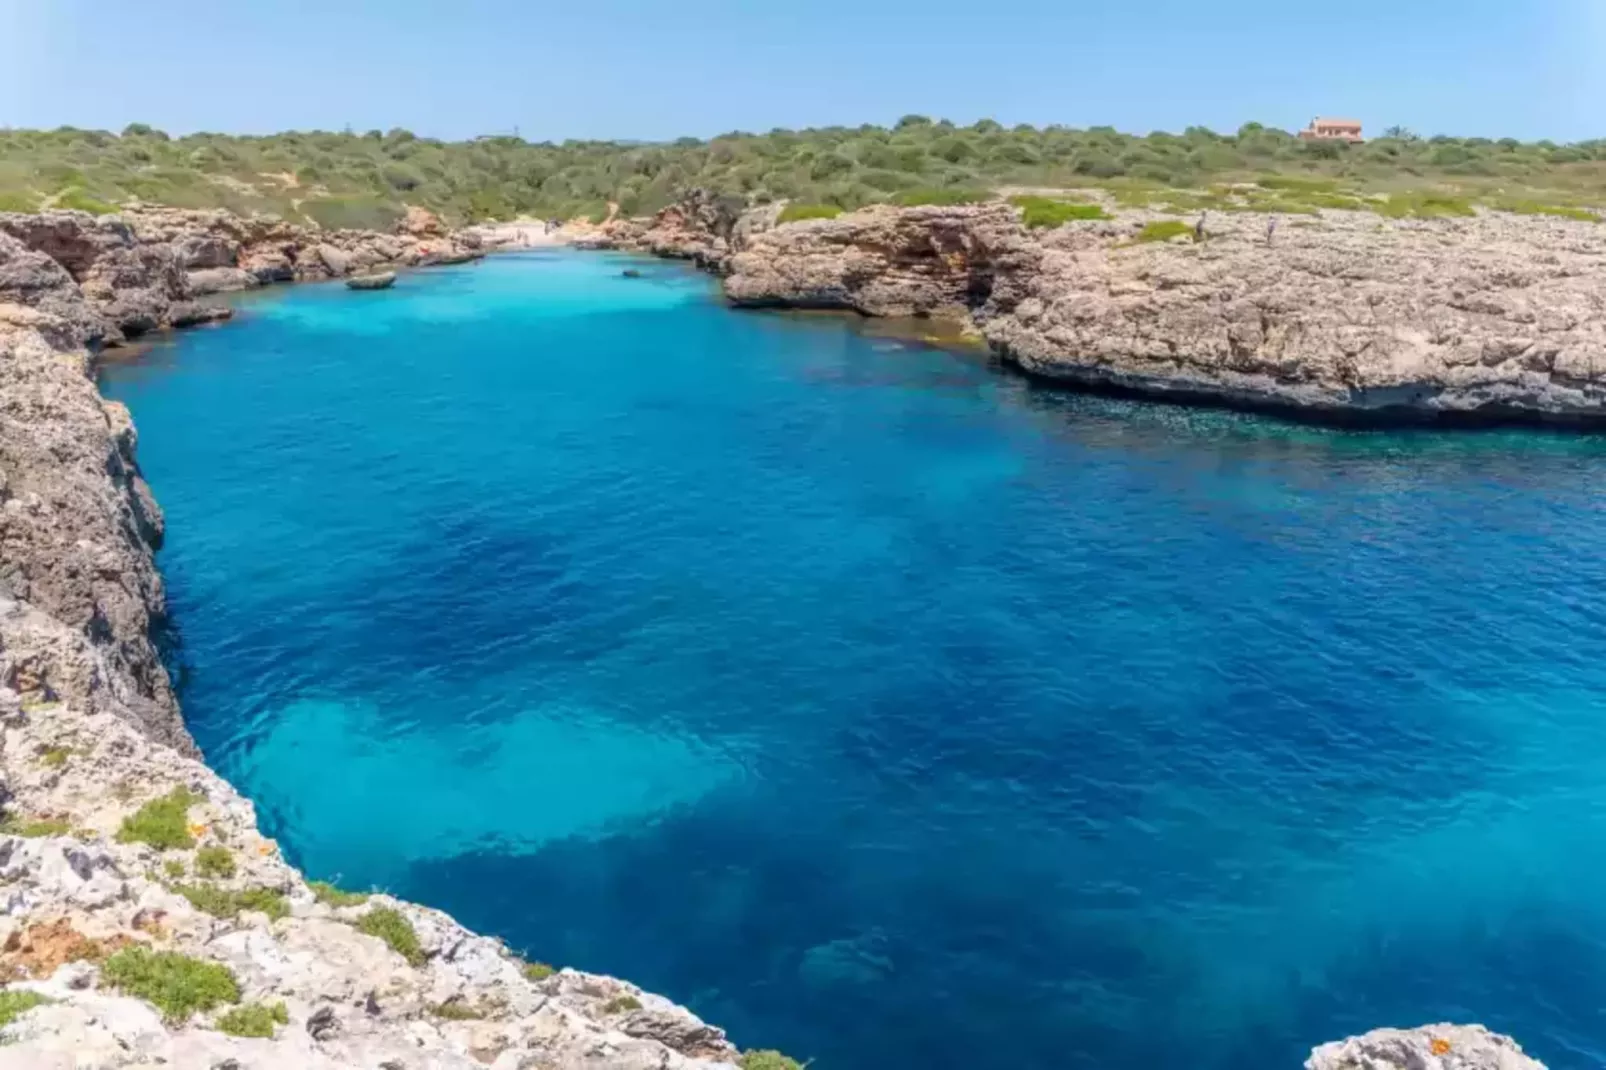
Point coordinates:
pixel 654 69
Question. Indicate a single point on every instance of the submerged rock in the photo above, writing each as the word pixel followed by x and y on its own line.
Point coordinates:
pixel 382 280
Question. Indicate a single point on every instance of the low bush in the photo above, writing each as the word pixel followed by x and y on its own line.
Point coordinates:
pixel 1298 183
pixel 173 868
pixel 15 1002
pixel 225 903
pixel 18 201
pixel 163 823
pixel 254 1020
pixel 768 1060
pixel 1048 212
pixel 1164 230
pixel 1522 207
pixel 392 927
pixel 175 984
pixel 55 757
pixel 329 895
pixel 214 860
pixel 621 1004
pixel 33 828
pixel 77 200
pixel 537 971
pixel 915 197
pixel 1425 205
pixel 795 213
pixel 457 1010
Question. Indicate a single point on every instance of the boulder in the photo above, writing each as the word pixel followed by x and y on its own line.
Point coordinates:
pixel 383 280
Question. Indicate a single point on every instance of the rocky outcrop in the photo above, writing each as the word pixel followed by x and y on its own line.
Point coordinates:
pixel 701 226
pixel 1344 316
pixel 1430 1047
pixel 281 974
pixel 144 268
pixel 380 280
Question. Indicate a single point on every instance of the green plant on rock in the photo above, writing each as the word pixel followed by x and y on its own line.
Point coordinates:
pixel 15 1002
pixel 621 1004
pixel 1526 207
pixel 389 925
pixel 78 200
pixel 330 895
pixel 768 1060
pixel 225 903
pixel 1048 212
pixel 174 868
pixel 55 757
pixel 1425 205
pixel 214 860
pixel 794 213
pixel 1164 230
pixel 33 828
pixel 253 1019
pixel 537 971
pixel 177 985
pixel 163 822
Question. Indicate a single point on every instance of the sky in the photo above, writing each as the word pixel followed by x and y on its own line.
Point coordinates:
pixel 644 70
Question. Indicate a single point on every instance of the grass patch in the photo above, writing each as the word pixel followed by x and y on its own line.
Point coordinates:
pixel 1522 207
pixel 1298 184
pixel 224 903
pixel 35 827
pixel 214 861
pixel 163 823
pixel 457 1010
pixel 794 213
pixel 15 1002
pixel 77 200
pixel 392 927
pixel 254 1020
pixel 174 868
pixel 177 985
pixel 621 1004
pixel 329 895
pixel 1048 212
pixel 768 1060
pixel 1425 205
pixel 55 757
pixel 912 198
pixel 18 201
pixel 1164 230
pixel 537 971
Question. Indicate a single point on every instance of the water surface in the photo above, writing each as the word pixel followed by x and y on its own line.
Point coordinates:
pixel 880 706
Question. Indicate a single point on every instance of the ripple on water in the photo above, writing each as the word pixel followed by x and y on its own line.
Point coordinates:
pixel 886 708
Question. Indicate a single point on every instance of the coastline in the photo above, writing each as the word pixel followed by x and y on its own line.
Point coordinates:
pixel 94 738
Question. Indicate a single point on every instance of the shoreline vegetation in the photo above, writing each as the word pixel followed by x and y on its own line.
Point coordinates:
pixel 367 180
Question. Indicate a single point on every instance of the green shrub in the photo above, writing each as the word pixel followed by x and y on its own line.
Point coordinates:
pixel 173 868
pixel 254 1019
pixel 621 1004
pixel 329 895
pixel 915 197
pixel 34 828
pixel 163 823
pixel 177 985
pixel 794 213
pixel 1524 207
pixel 214 860
pixel 1048 212
pixel 55 757
pixel 18 201
pixel 768 1060
pixel 1164 230
pixel 15 1002
pixel 537 971
pixel 1298 183
pixel 392 927
pixel 77 200
pixel 224 903
pixel 1425 205
pixel 354 213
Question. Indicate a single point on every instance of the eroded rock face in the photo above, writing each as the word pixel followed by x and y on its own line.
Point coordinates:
pixel 1346 315
pixel 1430 1047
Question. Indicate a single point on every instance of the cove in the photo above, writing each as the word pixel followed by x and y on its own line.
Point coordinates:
pixel 880 706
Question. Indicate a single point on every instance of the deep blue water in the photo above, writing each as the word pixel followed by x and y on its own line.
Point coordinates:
pixel 881 706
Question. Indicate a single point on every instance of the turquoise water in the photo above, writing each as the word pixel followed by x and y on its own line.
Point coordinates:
pixel 879 705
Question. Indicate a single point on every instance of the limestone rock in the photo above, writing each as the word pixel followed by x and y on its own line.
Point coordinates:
pixel 381 280
pixel 1430 1047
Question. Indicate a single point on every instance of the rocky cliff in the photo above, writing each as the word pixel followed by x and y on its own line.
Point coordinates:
pixel 1343 315
pixel 145 268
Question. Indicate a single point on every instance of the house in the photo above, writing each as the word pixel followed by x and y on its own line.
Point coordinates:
pixel 1332 130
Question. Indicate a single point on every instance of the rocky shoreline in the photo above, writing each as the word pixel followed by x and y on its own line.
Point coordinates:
pixel 1343 317
pixel 146 920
